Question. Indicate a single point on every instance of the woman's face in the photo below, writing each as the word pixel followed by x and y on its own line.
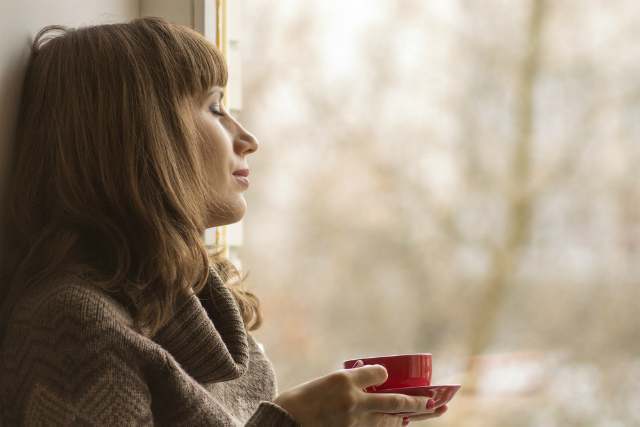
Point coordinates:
pixel 225 147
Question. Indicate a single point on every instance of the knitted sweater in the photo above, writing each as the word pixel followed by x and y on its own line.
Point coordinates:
pixel 71 356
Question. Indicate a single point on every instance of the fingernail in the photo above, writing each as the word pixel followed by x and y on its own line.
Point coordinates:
pixel 430 404
pixel 405 421
pixel 358 364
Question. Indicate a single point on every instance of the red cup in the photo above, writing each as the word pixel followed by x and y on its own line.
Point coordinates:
pixel 405 370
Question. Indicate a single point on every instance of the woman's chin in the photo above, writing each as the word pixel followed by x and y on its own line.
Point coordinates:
pixel 240 208
pixel 233 213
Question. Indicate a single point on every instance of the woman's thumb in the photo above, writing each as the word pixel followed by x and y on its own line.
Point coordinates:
pixel 384 375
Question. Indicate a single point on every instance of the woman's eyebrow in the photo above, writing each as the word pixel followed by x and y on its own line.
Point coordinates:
pixel 214 91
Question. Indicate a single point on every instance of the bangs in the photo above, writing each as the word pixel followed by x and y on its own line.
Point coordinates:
pixel 204 63
pixel 179 59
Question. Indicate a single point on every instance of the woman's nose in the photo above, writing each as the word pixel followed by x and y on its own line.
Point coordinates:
pixel 246 143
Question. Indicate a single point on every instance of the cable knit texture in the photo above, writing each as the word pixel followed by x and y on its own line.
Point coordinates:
pixel 71 357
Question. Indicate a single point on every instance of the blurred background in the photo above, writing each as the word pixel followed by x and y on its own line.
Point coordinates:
pixel 453 177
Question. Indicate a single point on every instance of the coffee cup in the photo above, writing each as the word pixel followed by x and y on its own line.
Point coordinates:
pixel 405 370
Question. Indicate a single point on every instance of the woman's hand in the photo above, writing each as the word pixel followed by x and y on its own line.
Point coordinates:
pixel 338 400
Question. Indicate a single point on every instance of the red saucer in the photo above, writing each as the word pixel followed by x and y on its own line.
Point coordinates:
pixel 441 394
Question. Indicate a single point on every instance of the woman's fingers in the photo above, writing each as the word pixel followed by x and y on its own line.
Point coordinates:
pixel 392 402
pixel 368 375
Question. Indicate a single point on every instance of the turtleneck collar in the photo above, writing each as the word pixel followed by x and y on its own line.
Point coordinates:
pixel 207 336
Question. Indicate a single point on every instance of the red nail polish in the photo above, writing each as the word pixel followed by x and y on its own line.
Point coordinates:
pixel 430 404
pixel 405 421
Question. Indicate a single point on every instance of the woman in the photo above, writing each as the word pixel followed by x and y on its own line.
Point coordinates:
pixel 112 312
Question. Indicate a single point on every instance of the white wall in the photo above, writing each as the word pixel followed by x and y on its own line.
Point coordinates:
pixel 20 20
pixel 181 12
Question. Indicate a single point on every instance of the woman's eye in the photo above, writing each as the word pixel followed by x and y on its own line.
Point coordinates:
pixel 215 109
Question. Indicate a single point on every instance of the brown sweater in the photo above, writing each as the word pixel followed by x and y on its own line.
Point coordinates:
pixel 71 356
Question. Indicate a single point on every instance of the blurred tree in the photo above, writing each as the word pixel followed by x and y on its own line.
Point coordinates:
pixel 520 200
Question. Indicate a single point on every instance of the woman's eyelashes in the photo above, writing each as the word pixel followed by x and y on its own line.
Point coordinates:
pixel 216 109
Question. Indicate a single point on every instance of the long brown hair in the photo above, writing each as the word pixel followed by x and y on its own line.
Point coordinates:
pixel 107 176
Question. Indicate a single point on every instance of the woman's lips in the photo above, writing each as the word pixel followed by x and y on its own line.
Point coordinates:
pixel 242 176
pixel 243 180
pixel 242 172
